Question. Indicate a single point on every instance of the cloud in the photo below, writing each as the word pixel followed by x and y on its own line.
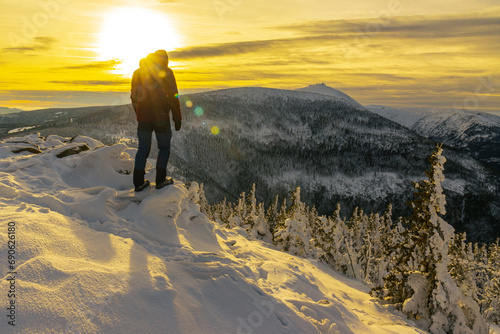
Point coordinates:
pixel 277 46
pixel 382 76
pixel 40 43
pixel 100 65
pixel 471 32
pixel 224 49
pixel 93 82
pixel 34 99
pixel 443 26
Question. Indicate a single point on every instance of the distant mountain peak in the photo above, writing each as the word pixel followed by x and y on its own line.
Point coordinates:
pixel 7 110
pixel 323 89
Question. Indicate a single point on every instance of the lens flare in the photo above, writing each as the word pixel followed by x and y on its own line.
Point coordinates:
pixel 189 104
pixel 198 111
pixel 215 130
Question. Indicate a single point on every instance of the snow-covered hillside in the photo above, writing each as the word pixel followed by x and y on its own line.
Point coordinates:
pixel 5 110
pixel 428 120
pixel 476 132
pixel 408 118
pixel 92 256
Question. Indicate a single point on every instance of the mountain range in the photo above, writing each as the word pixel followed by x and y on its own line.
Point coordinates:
pixel 317 138
pixel 477 133
pixel 5 110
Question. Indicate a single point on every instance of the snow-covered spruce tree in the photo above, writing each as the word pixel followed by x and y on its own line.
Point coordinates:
pixel 314 223
pixel 459 266
pixel 260 228
pixel 462 268
pixel 419 283
pixel 204 206
pixel 340 253
pixel 330 241
pixel 371 251
pixel 390 287
pixel 482 272
pixel 323 237
pixel 272 214
pixel 294 234
pixel 388 234
pixel 239 212
pixel 251 205
pixel 247 213
pixel 321 232
pixel 357 227
pixel 222 213
pixel 280 219
pixel 492 288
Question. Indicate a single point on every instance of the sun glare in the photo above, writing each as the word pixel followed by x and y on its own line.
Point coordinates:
pixel 129 34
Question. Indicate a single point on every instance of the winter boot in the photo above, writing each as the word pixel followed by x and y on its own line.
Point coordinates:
pixel 161 178
pixel 139 182
pixel 168 181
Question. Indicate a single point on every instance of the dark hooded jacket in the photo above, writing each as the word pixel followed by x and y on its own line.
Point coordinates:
pixel 154 91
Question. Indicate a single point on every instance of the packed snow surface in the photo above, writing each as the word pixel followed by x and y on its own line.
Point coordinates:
pixel 92 256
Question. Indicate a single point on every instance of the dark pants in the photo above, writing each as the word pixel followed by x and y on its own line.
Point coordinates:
pixel 163 136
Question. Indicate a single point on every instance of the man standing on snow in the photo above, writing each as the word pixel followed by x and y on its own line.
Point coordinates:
pixel 154 94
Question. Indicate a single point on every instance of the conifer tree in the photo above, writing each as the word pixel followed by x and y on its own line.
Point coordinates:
pixel 492 288
pixel 222 213
pixel 371 250
pixel 458 266
pixel 272 214
pixel 357 228
pixel 240 212
pixel 260 229
pixel 251 213
pixel 339 251
pixel 294 235
pixel 419 282
pixel 482 271
pixel 388 236
pixel 204 206
pixel 463 270
pixel 324 237
pixel 314 221
pixel 280 220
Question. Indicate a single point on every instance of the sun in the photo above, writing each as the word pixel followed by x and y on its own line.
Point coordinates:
pixel 129 34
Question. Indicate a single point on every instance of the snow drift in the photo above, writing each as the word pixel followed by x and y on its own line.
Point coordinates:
pixel 95 257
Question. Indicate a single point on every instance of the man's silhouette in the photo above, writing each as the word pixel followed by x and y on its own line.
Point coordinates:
pixel 154 94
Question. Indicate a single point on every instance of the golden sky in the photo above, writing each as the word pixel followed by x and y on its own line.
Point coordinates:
pixel 401 53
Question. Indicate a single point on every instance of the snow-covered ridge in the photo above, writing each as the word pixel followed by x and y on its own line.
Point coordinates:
pixel 476 132
pixel 307 93
pixel 323 89
pixel 6 110
pixel 407 119
pixel 428 118
pixel 95 257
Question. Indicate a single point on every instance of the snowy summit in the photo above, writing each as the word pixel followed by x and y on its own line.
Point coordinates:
pixel 326 90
